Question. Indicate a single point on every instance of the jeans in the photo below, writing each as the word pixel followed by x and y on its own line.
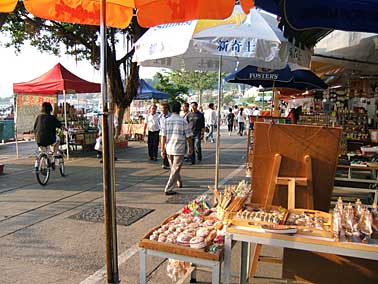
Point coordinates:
pixel 210 135
pixel 241 128
pixel 197 149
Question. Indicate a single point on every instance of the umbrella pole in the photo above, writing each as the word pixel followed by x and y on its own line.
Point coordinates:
pixel 217 152
pixel 66 124
pixel 271 104
pixel 15 125
pixel 108 164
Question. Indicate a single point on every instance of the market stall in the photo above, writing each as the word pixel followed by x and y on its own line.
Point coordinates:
pixel 134 129
pixel 47 87
pixel 289 207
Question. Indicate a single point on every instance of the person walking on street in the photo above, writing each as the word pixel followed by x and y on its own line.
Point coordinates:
pixel 185 111
pixel 210 122
pixel 184 114
pixel 175 133
pixel 152 125
pixel 241 120
pixel 230 121
pixel 196 122
pixel 162 118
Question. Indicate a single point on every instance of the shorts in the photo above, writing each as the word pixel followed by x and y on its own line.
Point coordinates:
pixel 57 141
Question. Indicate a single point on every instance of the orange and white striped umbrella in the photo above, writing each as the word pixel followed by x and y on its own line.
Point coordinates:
pixel 7 6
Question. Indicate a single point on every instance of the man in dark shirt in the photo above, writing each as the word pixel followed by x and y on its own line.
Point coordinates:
pixel 196 122
pixel 45 127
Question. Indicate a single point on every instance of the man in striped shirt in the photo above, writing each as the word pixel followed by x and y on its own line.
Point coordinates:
pixel 175 133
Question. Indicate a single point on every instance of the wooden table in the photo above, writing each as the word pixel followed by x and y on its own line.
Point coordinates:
pixel 194 256
pixel 307 243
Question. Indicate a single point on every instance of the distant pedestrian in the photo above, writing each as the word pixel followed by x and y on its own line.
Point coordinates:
pixel 185 110
pixel 196 122
pixel 210 122
pixel 235 112
pixel 162 118
pixel 230 121
pixel 175 133
pixel 241 120
pixel 152 125
pixel 184 114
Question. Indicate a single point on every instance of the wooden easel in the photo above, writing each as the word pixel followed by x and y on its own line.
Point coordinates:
pixel 291 183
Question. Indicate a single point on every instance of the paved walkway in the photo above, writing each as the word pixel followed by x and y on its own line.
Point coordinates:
pixel 39 243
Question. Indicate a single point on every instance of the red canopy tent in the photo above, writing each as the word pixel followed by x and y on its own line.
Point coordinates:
pixel 55 81
pixel 58 80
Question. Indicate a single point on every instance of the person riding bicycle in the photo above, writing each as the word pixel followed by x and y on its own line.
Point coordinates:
pixel 45 127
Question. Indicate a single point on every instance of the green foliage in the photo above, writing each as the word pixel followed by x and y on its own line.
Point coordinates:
pixel 197 81
pixel 51 37
pixel 227 100
pixel 250 100
pixel 165 83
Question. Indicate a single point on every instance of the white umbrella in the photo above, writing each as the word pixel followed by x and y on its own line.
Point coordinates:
pixel 241 40
pixel 218 45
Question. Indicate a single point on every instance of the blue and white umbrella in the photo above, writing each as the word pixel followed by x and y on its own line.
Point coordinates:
pixel 241 40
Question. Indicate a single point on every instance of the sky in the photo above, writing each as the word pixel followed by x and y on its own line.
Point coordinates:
pixel 30 63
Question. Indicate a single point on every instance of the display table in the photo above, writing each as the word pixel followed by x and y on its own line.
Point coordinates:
pixel 82 138
pixel 213 262
pixel 307 243
pixel 135 130
pixel 174 251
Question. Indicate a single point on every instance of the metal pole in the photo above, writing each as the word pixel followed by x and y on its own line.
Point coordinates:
pixel 218 124
pixel 15 124
pixel 271 104
pixel 108 164
pixel 66 124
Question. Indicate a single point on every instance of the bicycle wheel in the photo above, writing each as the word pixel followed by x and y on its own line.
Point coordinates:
pixel 43 170
pixel 61 166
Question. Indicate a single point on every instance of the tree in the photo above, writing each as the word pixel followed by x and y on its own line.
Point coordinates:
pixel 165 84
pixel 82 42
pixel 199 81
pixel 228 99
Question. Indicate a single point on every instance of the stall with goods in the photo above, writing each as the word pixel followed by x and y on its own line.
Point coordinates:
pixel 81 131
pixel 288 206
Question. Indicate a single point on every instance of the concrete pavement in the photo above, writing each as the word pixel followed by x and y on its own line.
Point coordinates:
pixel 39 243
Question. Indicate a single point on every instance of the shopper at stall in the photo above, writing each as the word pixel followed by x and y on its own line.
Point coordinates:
pixel 152 125
pixel 45 127
pixel 175 132
pixel 210 122
pixel 164 109
pixel 230 121
pixel 196 122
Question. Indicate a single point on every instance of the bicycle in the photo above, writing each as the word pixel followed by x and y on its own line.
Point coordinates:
pixel 45 162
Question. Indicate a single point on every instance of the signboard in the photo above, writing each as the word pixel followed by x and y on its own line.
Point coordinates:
pixel 27 109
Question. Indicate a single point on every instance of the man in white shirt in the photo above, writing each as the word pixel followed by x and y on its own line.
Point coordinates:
pixel 153 126
pixel 210 122
pixel 164 108
pixel 175 133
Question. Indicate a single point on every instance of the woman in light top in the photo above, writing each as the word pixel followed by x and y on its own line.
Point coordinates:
pixel 241 120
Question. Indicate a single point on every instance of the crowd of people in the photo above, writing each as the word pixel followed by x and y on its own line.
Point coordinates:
pixel 178 129
pixel 181 132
